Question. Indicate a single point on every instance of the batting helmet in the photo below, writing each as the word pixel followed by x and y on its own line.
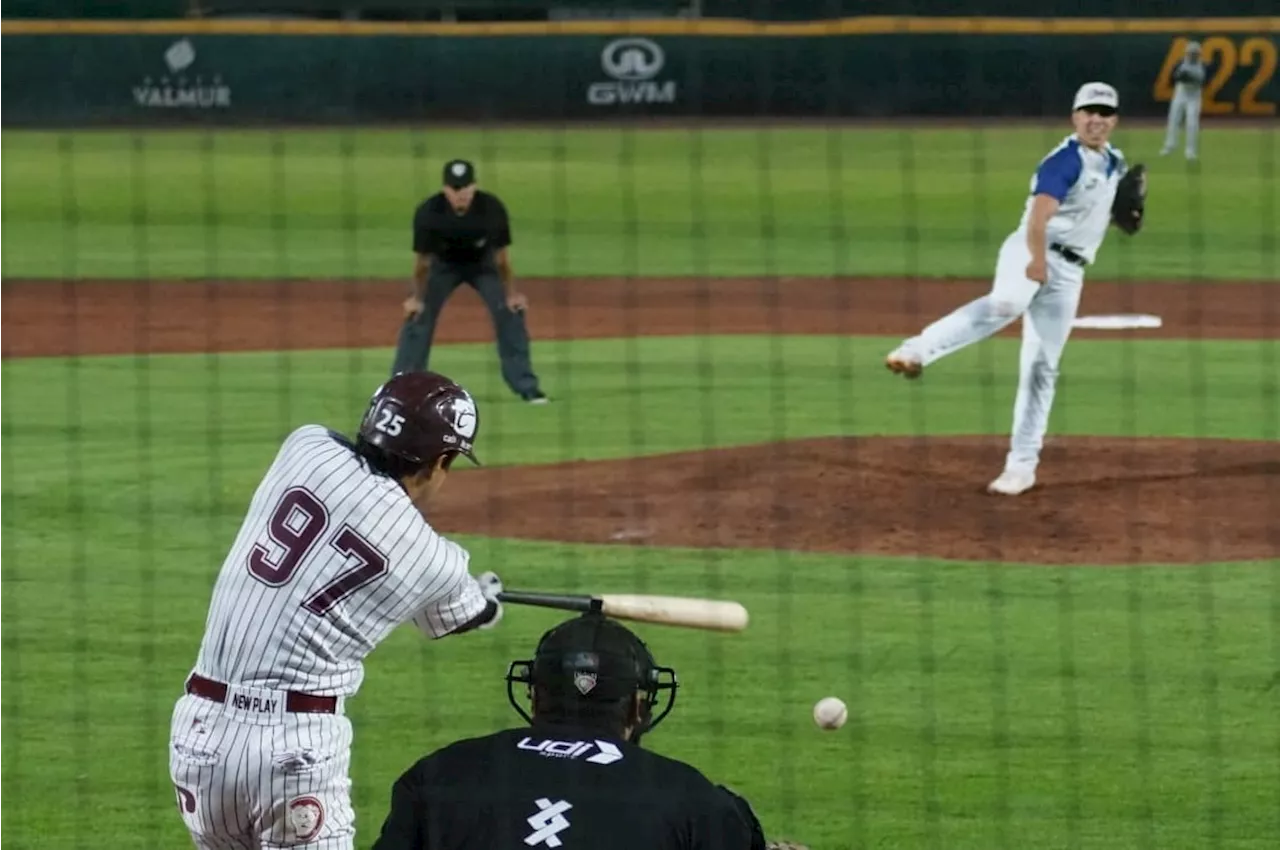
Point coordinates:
pixel 592 660
pixel 419 416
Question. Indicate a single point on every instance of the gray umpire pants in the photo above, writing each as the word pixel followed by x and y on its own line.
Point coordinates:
pixel 414 346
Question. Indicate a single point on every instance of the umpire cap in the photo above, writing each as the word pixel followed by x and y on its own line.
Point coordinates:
pixel 458 173
pixel 593 659
pixel 419 416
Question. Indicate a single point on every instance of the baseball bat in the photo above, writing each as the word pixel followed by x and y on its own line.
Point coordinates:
pixel 687 612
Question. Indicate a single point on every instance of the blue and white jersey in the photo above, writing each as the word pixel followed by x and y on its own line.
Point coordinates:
pixel 1084 182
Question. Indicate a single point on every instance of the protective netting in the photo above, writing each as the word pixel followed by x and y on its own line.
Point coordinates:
pixel 727 220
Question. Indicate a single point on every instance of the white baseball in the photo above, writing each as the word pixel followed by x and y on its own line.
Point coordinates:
pixel 830 712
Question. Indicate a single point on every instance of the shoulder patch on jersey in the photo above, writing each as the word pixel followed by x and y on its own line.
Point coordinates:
pixel 1059 170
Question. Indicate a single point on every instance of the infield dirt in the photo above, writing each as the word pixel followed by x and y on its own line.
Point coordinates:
pixel 1101 500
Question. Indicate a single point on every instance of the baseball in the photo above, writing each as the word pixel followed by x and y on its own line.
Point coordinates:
pixel 830 713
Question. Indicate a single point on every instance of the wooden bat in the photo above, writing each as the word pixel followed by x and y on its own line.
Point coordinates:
pixel 688 612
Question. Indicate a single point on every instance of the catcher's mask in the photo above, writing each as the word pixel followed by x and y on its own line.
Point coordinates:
pixel 592 659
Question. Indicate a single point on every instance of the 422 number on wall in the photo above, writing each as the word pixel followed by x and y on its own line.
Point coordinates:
pixel 1244 67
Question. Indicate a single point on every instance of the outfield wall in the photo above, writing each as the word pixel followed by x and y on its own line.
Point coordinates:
pixel 255 72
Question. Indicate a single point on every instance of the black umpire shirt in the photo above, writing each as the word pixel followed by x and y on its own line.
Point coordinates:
pixel 467 238
pixel 561 787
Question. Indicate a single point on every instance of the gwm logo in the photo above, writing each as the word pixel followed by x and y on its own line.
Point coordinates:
pixel 633 63
pixel 632 59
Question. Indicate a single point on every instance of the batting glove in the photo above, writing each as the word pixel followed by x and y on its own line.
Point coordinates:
pixel 490 587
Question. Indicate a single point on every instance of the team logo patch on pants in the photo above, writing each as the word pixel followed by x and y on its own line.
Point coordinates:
pixel 306 817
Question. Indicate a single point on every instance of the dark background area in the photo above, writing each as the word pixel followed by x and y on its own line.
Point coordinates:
pixel 763 10
pixel 86 79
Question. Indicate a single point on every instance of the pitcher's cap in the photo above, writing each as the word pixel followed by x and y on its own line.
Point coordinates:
pixel 1096 94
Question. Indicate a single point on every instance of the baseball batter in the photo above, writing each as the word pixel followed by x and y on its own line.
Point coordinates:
pixel 1040 274
pixel 1184 108
pixel 334 553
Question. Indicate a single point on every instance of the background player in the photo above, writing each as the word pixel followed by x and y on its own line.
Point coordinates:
pixel 577 776
pixel 1188 82
pixel 1039 276
pixel 334 553
pixel 462 235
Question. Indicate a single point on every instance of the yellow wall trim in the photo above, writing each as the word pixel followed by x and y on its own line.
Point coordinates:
pixel 666 27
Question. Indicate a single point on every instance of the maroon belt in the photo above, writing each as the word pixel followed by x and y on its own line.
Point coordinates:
pixel 293 702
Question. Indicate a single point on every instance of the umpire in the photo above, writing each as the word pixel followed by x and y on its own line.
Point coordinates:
pixel 577 777
pixel 462 235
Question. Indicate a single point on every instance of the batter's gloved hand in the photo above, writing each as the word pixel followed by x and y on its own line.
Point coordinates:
pixel 1131 200
pixel 491 586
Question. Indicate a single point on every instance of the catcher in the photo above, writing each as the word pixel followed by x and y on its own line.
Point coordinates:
pixel 576 777
pixel 1079 189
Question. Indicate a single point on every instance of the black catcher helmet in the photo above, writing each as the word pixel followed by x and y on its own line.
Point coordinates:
pixel 593 660
pixel 419 416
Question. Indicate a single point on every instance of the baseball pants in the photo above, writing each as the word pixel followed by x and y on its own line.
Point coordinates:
pixel 1184 108
pixel 249 781
pixel 1047 313
pixel 414 346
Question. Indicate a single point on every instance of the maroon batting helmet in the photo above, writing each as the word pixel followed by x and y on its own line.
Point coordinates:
pixel 419 416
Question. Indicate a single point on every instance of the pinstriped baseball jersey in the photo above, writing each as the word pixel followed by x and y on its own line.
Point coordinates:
pixel 331 557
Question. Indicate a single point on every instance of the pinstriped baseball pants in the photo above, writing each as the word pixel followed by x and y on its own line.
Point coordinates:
pixel 247 782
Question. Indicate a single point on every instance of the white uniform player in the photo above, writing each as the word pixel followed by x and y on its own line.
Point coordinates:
pixel 1039 276
pixel 334 553
pixel 1184 108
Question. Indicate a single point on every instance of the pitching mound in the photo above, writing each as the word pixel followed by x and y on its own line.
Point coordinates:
pixel 1099 501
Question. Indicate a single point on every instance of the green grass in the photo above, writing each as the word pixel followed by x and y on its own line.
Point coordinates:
pixel 991 705
pixel 606 201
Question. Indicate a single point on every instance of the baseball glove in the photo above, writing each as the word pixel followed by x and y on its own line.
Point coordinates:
pixel 1131 200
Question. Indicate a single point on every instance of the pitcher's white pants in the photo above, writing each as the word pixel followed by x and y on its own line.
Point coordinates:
pixel 1047 313
pixel 1183 108
pixel 246 781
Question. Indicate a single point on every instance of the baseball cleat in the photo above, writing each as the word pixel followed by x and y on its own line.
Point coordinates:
pixel 536 397
pixel 903 363
pixel 904 366
pixel 1012 482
